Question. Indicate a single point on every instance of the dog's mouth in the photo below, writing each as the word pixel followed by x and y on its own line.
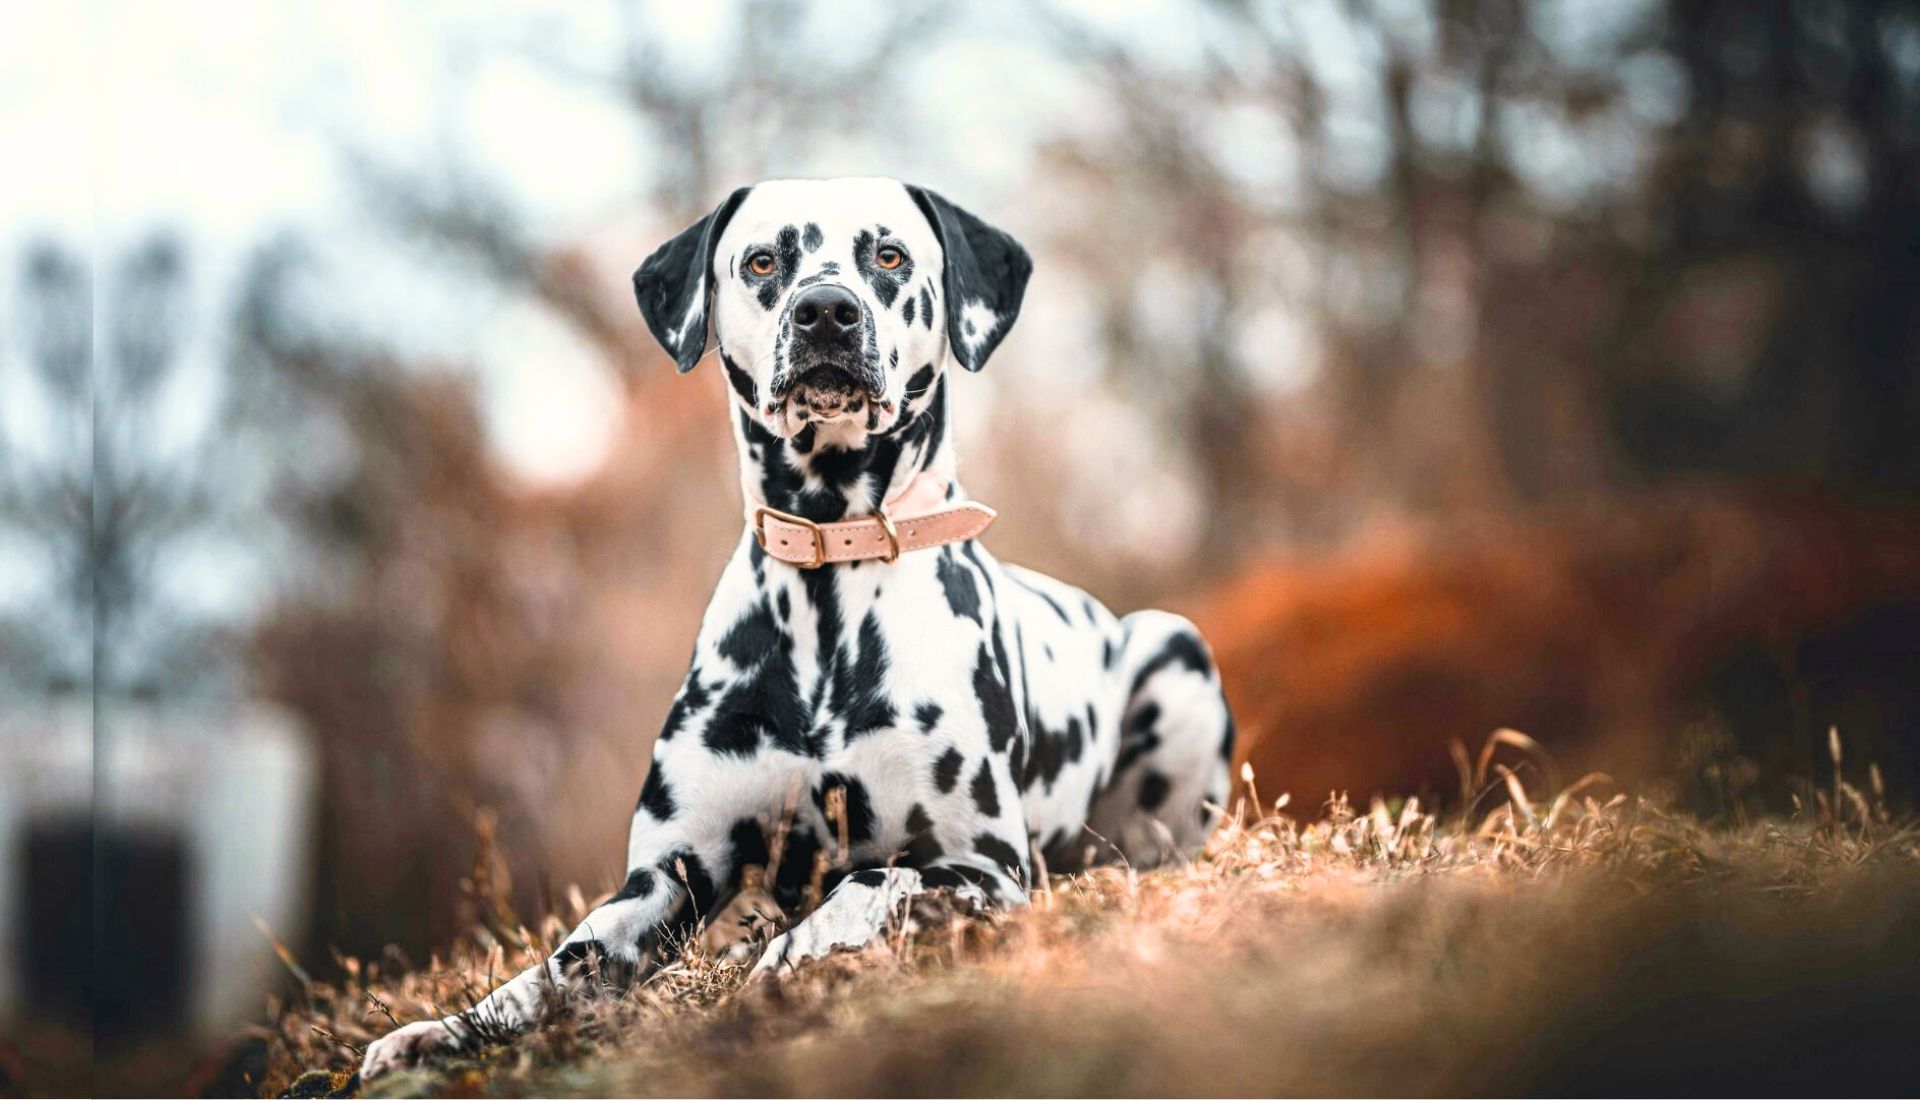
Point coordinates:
pixel 827 393
pixel 824 393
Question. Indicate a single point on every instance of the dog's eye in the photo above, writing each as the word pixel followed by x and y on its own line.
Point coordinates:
pixel 761 263
pixel 889 257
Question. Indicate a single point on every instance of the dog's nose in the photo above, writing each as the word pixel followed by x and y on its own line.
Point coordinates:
pixel 826 312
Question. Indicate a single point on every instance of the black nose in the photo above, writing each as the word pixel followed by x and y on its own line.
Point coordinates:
pixel 826 312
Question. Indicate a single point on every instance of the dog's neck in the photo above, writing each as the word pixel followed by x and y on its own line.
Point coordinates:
pixel 825 483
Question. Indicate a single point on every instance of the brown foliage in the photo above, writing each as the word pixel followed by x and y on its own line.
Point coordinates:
pixel 1565 945
pixel 1602 630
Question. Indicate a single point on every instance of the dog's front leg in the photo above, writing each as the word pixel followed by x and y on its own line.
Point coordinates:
pixel 618 932
pixel 866 902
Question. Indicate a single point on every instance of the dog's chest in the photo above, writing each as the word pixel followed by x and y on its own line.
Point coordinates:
pixel 873 647
pixel 870 706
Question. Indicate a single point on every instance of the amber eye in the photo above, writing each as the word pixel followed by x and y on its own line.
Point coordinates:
pixel 761 263
pixel 889 257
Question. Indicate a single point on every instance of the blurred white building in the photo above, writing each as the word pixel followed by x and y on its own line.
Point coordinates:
pixel 200 829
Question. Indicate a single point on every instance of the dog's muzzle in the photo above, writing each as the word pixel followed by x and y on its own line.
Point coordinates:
pixel 828 369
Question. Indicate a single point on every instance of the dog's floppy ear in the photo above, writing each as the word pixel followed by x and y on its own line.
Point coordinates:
pixel 674 285
pixel 986 277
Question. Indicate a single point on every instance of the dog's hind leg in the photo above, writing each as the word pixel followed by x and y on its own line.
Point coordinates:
pixel 1171 776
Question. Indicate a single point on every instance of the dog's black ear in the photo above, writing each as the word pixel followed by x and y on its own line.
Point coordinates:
pixel 986 278
pixel 675 284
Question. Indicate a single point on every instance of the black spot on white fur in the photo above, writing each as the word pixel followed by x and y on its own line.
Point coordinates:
pixel 859 805
pixel 1154 789
pixel 656 797
pixel 639 884
pixel 956 581
pixel 740 380
pixel 927 715
pixel 986 798
pixel 946 770
pixel 1183 650
pixel 1001 853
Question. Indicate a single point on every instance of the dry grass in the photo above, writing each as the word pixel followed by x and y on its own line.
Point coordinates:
pixel 1582 943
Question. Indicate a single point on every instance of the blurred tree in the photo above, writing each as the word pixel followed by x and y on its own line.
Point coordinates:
pixel 1783 219
pixel 105 483
pixel 1541 251
pixel 46 494
pixel 399 628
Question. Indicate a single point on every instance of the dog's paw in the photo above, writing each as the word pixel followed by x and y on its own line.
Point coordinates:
pixel 814 938
pixel 408 1046
pixel 859 911
pixel 776 957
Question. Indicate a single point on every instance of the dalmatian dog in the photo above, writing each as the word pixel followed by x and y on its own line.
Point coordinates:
pixel 871 692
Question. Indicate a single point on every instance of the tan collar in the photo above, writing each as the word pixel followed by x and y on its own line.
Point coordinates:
pixel 919 518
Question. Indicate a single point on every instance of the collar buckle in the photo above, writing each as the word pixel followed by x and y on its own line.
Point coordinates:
pixel 893 536
pixel 819 537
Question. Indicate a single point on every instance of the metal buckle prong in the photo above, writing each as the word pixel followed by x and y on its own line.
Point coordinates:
pixel 819 536
pixel 893 536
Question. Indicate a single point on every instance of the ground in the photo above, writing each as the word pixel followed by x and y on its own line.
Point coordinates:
pixel 1581 943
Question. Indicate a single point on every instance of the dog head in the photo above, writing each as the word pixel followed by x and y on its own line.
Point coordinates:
pixel 835 303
